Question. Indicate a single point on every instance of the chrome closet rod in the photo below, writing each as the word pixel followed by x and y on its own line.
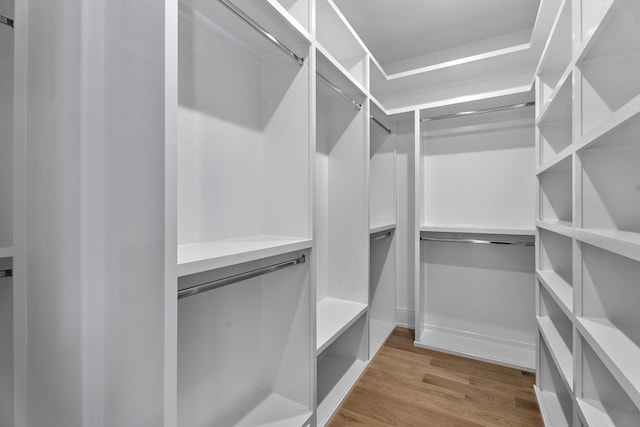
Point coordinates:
pixel 477 112
pixel 379 123
pixel 380 236
pixel 6 21
pixel 246 18
pixel 339 91
pixel 204 287
pixel 480 241
pixel 6 273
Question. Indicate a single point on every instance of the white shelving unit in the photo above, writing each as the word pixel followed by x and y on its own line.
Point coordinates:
pixel 6 215
pixel 463 288
pixel 589 249
pixel 382 228
pixel 341 235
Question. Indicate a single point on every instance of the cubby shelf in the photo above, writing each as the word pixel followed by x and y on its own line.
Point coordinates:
pixel 623 243
pixel 558 106
pixel 296 12
pixel 556 161
pixel 551 409
pixel 334 316
pixel 564 228
pixel 199 257
pixel 619 353
pixel 552 331
pixel 332 393
pixel 558 288
pixel 479 229
pixel 594 414
pixel 382 228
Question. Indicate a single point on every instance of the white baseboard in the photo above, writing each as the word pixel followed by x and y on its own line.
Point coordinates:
pixel 406 318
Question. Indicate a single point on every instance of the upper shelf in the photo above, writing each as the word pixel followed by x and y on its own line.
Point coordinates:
pixel 556 55
pixel 479 229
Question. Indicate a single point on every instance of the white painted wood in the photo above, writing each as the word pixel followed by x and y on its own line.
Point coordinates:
pixel 381 228
pixel 603 401
pixel 555 334
pixel 558 288
pixel 556 55
pixel 564 228
pixel 382 288
pixel 557 107
pixel 555 254
pixel 556 193
pixel 6 135
pixel 558 161
pixel 382 171
pixel 379 331
pixel 6 349
pixel 552 412
pixel 6 250
pixel 243 349
pixel 334 316
pixel 299 9
pixel 198 257
pixel 479 229
pixel 622 243
pixel 556 403
pixel 486 348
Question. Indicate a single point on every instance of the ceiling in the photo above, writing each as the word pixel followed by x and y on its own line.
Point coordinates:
pixel 405 34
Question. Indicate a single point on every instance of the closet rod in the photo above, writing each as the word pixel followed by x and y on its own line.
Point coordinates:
pixel 480 241
pixel 204 287
pixel 379 123
pixel 478 112
pixel 6 273
pixel 381 236
pixel 6 21
pixel 233 8
pixel 339 91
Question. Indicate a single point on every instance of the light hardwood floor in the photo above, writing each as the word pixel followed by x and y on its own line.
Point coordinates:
pixel 409 386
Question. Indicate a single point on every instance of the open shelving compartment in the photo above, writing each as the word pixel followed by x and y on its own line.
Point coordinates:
pixel 300 10
pixel 382 225
pixel 554 125
pixel 609 65
pixel 557 331
pixel 245 352
pixel 555 267
pixel 609 321
pixel 555 400
pixel 555 206
pixel 342 229
pixel 602 402
pixel 337 41
pixel 243 149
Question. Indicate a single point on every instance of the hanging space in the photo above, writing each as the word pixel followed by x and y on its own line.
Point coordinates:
pixel 6 212
pixel 475 287
pixel 342 234
pixel 245 306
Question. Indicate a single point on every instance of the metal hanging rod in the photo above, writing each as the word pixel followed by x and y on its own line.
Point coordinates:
pixel 379 123
pixel 478 112
pixel 6 21
pixel 6 273
pixel 480 241
pixel 246 18
pixel 380 236
pixel 204 287
pixel 339 91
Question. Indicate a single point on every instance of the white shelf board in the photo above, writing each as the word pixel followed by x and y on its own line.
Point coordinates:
pixel 602 19
pixel 627 113
pixel 381 228
pixel 564 228
pixel 198 257
pixel 322 50
pixel 276 411
pixel 6 250
pixel 516 355
pixel 552 412
pixel 623 243
pixel 479 229
pixel 552 57
pixel 290 19
pixel 335 393
pixel 558 106
pixel 555 164
pixel 594 414
pixel 334 316
pixel 379 331
pixel 619 353
pixel 559 289
pixel 560 353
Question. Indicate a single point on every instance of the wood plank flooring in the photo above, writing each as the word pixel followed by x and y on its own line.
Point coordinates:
pixel 410 386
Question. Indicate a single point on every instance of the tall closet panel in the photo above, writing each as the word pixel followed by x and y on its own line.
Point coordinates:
pixel 475 293
pixel 245 339
pixel 342 236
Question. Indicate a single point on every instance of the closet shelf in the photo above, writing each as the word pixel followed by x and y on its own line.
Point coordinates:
pixel 624 124
pixel 556 163
pixel 379 332
pixel 6 250
pixel 619 353
pixel 560 353
pixel 331 395
pixel 479 229
pixel 512 354
pixel 291 20
pixel 381 228
pixel 198 257
pixel 564 228
pixel 604 18
pixel 558 107
pixel 594 414
pixel 623 243
pixel 557 50
pixel 551 409
pixel 276 410
pixel 334 62
pixel 559 289
pixel 334 316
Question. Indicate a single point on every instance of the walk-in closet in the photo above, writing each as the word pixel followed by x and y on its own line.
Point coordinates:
pixel 309 213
